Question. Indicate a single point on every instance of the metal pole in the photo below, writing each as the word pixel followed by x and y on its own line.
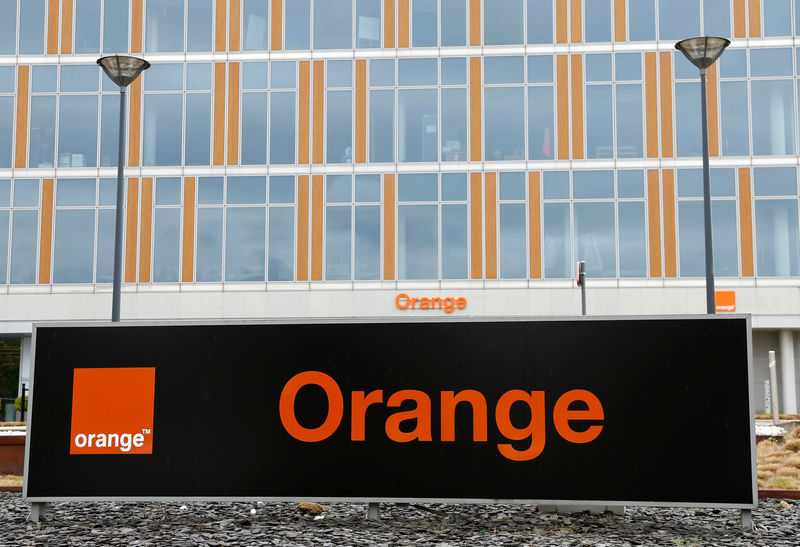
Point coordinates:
pixel 23 406
pixel 115 300
pixel 710 304
pixel 773 384
pixel 582 280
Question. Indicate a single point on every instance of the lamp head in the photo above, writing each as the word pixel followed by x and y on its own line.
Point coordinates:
pixel 703 51
pixel 122 69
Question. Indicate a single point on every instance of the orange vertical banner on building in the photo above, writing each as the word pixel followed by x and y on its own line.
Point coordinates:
pixel 713 110
pixel 576 21
pixel 219 114
pixel 666 105
pixel 577 107
pixel 651 102
pixel 316 227
pixel 754 19
pixel 474 22
pixel 476 224
pixel 403 31
pixel 134 121
pixel 220 25
pixel 189 201
pixel 388 24
pixel 319 111
pixel 52 27
pixel 303 118
pixel 475 111
pixel 233 114
pixel 21 137
pixel 620 23
pixel 535 223
pixel 490 189
pixel 277 25
pixel 361 111
pixel 562 106
pixel 46 243
pixel 562 22
pixel 739 19
pixel 146 230
pixel 302 228
pixel 132 213
pixel 746 222
pixel 670 241
pixel 388 227
pixel 67 8
pixel 235 25
pixel 654 222
pixel 136 26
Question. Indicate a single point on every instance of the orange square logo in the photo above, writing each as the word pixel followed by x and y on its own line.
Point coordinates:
pixel 112 410
pixel 725 300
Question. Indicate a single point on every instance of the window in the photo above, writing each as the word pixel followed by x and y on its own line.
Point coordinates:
pixel 454 109
pixel 199 25
pixel 298 24
pixel 642 20
pixel 368 23
pixel 210 193
pixel 24 231
pixel 115 26
pixel 166 230
pixel 32 17
pixel 540 21
pixel 282 117
pixel 541 108
pixel 8 31
pixel 77 126
pixel 164 26
pixel 424 23
pixel 255 24
pixel 777 239
pixel 163 115
pixel 455 226
pixel 352 227
pixel 597 20
pixel 87 26
pixel 504 108
pixel 454 22
pixel 333 24
pixel 5 227
pixel 254 113
pixel 245 229
pixel 512 216
pixel 281 243
pixel 198 114
pixel 678 19
pixel 503 23
pixel 777 17
pixel 339 112
pixel 735 135
pixel 632 228
pixel 599 107
pixel 42 140
pixel 717 18
pixel 381 110
pixel 7 87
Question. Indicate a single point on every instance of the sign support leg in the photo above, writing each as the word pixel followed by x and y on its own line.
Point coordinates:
pixel 37 511
pixel 374 511
pixel 747 520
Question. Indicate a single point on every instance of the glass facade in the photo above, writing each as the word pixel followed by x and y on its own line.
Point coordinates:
pixel 412 145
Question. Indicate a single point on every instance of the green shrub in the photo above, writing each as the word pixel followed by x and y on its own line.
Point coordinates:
pixel 18 404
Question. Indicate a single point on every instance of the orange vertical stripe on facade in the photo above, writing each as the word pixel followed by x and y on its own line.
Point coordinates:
pixel 654 222
pixel 491 225
pixel 651 103
pixel 52 27
pixel 136 26
pixel 277 25
pixel 219 114
pixel 620 21
pixel 134 121
pixel 576 21
pixel 187 264
pixel 562 23
pixel 67 8
pixel 403 31
pixel 316 227
pixel 746 221
pixel 670 243
pixel 302 228
pixel 21 138
pixel 130 230
pixel 739 19
pixel 303 118
pixel 713 110
pixel 361 111
pixel 146 230
pixel 220 26
pixel 235 25
pixel 46 243
pixel 476 224
pixel 666 105
pixel 475 110
pixel 562 106
pixel 534 227
pixel 388 24
pixel 233 114
pixel 475 22
pixel 319 111
pixel 754 19
pixel 577 107
pixel 388 227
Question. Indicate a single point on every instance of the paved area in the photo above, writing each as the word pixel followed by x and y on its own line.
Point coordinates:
pixel 214 524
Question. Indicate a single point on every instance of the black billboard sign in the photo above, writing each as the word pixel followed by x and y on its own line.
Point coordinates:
pixel 603 410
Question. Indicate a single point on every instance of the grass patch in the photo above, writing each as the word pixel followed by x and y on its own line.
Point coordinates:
pixel 10 480
pixel 782 416
pixel 779 463
pixel 13 424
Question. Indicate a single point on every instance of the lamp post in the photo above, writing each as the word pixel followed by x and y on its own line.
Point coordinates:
pixel 702 52
pixel 122 70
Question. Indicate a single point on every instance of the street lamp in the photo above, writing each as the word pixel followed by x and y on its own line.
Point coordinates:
pixel 702 52
pixel 122 70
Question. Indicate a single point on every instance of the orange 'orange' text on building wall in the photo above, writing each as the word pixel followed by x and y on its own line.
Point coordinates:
pixel 448 304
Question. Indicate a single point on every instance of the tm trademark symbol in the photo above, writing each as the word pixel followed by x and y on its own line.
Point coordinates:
pixel 145 431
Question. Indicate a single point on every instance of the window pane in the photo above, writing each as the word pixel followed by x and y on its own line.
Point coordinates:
pixel 454 71
pixel 629 121
pixel 115 26
pixel 210 190
pixel 337 242
pixel 424 23
pixel 6 130
pixel 630 184
pixel 281 243
pixel 105 246
pixel 771 62
pixel 32 17
pixel 164 77
pixel 255 25
pixel 777 241
pixel 4 219
pixel 592 184
pixel 773 117
pixel 642 20
pixel 338 188
pixel 417 242
pixel 692 238
pixel 678 19
pixel 168 191
pixel 245 190
pixel 454 22
pixel 70 192
pixel 163 129
pixel 298 25
pixel 87 26
pixel 5 192
pixel 418 187
pixel 733 64
pixel 418 135
pixel 368 188
pixel 281 189
pixel 777 17
pixel 513 256
pixel 628 66
pixel 598 67
pixel 557 261
pixel 109 131
pixel 8 32
pixel 199 26
pixel 381 72
pixel 368 23
pixel 632 240
pixel 381 126
pixel 556 185
pixel 164 31
pixel 45 78
pixel 255 75
pixel 594 238
pixel 505 124
pixel 725 237
pixel 209 244
pixel 340 73
pixel 340 127
pixel 73 258
pixel 687 119
pixel 79 78
pixel 504 70
pixel 26 193
pixel 77 134
pixel 735 126
pixel 24 245
pixel 333 24
pixel 540 21
pixel 512 186
pixel 166 244
pixel 540 123
pixel 599 122
pixel 42 133
pixel 455 257
pixel 717 18
pixel 245 235
pixel 597 20
pixel 775 181
pixel 454 125
pixel 198 129
pixel 454 187
pixel 283 74
pixel 254 125
pixel 503 23
pixel 368 242
pixel 282 119
pixel 108 191
pixel 417 72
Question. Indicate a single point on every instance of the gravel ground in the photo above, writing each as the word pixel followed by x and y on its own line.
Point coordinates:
pixel 171 524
